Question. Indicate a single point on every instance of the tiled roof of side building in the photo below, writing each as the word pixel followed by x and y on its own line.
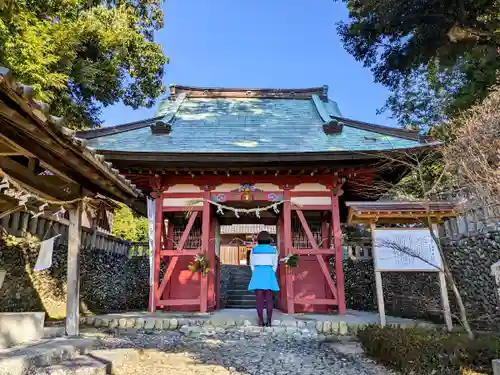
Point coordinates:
pixel 251 121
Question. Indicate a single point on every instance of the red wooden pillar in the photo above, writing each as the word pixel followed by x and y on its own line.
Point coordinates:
pixel 281 268
pixel 157 256
pixel 205 238
pixel 169 245
pixel 326 244
pixel 337 242
pixel 287 236
pixel 212 279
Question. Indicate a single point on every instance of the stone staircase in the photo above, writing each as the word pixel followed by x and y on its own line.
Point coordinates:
pixel 238 295
pixel 55 354
pixel 38 357
pixel 63 356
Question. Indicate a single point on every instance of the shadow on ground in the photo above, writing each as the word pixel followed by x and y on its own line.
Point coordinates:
pixel 175 354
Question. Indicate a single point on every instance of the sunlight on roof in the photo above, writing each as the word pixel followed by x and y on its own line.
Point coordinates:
pixel 249 144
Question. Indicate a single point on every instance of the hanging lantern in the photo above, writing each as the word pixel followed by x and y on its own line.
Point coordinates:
pixel 247 195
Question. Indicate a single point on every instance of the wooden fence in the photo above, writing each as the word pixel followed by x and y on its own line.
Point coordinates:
pixel 43 227
pixel 139 249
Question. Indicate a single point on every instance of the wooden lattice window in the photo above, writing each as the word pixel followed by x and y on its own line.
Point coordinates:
pixel 194 239
pixel 299 237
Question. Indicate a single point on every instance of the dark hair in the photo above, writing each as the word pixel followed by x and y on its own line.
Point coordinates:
pixel 264 238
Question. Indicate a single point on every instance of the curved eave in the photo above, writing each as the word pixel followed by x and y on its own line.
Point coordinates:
pixel 199 158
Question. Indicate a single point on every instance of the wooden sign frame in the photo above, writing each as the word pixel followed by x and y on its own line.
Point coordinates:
pixel 380 292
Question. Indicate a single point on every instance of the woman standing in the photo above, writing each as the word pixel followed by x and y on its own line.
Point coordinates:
pixel 264 263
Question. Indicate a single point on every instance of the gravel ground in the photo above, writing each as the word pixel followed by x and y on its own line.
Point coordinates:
pixel 176 354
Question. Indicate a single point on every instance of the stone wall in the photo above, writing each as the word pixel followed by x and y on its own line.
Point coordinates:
pixel 417 295
pixel 470 260
pixel 109 282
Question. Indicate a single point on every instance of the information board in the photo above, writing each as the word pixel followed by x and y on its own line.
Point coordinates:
pixel 405 250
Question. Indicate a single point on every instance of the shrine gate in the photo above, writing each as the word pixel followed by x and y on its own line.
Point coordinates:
pixel 212 154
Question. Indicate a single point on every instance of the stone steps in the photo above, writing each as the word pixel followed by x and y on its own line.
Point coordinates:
pixel 24 359
pixel 97 362
pixel 238 295
pixel 240 304
pixel 82 365
pixel 176 324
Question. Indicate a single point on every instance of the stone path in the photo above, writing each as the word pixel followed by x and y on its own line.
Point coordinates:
pixel 174 353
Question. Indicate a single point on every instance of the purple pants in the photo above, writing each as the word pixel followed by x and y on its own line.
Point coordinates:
pixel 264 296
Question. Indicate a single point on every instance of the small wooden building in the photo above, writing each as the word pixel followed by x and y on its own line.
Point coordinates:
pixel 250 148
pixel 44 168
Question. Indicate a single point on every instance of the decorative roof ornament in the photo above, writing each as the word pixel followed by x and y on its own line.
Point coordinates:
pixel 325 92
pixel 333 127
pixel 160 127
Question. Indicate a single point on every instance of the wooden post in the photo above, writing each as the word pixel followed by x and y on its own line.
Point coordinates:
pixel 378 282
pixel 445 302
pixel 93 239
pixel 287 236
pixel 339 267
pixel 205 238
pixel 380 297
pixel 73 276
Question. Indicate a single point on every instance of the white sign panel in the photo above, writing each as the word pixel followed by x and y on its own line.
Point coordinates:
pixel 405 250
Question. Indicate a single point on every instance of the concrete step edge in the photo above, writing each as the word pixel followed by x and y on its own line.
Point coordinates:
pixel 79 365
pixel 21 360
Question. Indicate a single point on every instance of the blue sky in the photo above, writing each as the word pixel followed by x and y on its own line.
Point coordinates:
pixel 262 43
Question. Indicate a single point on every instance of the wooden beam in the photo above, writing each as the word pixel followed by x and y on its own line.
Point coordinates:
pixel 76 163
pixel 11 211
pixel 179 302
pixel 179 253
pixel 182 209
pixel 315 301
pixel 312 207
pixel 317 251
pixel 36 161
pixel 310 193
pixel 73 276
pixel 8 148
pixel 45 188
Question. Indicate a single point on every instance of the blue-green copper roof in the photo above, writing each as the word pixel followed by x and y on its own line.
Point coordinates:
pixel 248 125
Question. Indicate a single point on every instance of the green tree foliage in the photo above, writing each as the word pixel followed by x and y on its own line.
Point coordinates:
pixel 437 56
pixel 421 99
pixel 128 226
pixel 80 55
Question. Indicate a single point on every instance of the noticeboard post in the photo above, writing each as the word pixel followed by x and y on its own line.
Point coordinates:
pixel 421 255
